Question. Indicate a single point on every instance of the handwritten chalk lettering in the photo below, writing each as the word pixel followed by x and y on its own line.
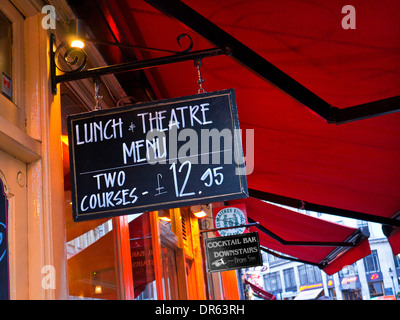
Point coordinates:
pixel 108 199
pixel 109 179
pixel 164 120
pixel 142 150
pixel 98 131
pixel 118 155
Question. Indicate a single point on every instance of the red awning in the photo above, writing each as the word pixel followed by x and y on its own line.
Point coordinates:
pixel 394 240
pixel 352 166
pixel 289 229
pixel 260 292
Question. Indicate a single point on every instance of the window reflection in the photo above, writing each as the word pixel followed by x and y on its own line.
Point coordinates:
pixel 142 258
pixel 91 258
pixel 5 56
pixel 169 277
pixel 91 269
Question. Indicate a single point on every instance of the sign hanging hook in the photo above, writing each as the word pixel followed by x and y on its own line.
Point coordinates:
pixel 197 64
pixel 97 97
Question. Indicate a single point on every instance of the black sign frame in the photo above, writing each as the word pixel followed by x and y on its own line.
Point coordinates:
pixel 233 252
pixel 218 111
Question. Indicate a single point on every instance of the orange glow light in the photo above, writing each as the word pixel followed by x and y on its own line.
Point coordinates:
pixel 166 219
pixel 200 214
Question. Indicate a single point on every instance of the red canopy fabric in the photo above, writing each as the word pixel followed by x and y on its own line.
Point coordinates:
pixel 260 292
pixel 352 166
pixel 294 226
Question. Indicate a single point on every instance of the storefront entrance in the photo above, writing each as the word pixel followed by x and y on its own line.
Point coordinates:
pixel 352 294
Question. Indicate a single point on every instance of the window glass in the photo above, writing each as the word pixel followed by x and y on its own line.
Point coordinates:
pixel 309 274
pixel 349 270
pixel 91 264
pixel 272 281
pixel 375 289
pixel 169 275
pixel 141 244
pixel 371 262
pixel 5 56
pixel 91 257
pixel 290 281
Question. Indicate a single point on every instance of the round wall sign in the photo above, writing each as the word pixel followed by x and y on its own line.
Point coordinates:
pixel 230 217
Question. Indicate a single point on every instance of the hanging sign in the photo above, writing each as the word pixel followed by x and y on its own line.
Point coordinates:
pixel 230 216
pixel 156 155
pixel 233 252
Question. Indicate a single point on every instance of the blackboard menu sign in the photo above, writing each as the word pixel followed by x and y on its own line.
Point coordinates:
pixel 157 155
pixel 233 252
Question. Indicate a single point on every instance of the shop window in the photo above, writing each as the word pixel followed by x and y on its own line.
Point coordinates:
pixel 273 282
pixel 141 244
pixel 91 262
pixel 347 271
pixel 352 294
pixel 396 262
pixel 6 56
pixel 169 274
pixel 332 293
pixel 290 281
pixel 375 289
pixel 309 274
pixel 91 257
pixel 371 262
pixel 363 226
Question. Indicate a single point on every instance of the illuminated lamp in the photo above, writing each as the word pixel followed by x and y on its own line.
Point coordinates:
pixel 166 219
pixel 77 44
pixel 77 32
pixel 164 215
pixel 198 211
pixel 98 290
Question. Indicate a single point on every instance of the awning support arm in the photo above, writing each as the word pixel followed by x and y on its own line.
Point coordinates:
pixel 253 224
pixel 299 204
pixel 303 243
pixel 280 256
pixel 267 71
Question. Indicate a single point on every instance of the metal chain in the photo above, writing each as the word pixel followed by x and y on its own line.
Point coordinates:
pixel 97 97
pixel 197 64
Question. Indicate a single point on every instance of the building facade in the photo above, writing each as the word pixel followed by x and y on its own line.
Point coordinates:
pixel 153 255
pixel 375 275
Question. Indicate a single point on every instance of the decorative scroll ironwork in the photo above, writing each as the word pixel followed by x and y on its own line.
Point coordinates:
pixel 190 47
pixel 76 58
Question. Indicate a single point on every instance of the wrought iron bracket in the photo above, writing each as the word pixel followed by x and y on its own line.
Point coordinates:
pixel 76 58
pixel 253 224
